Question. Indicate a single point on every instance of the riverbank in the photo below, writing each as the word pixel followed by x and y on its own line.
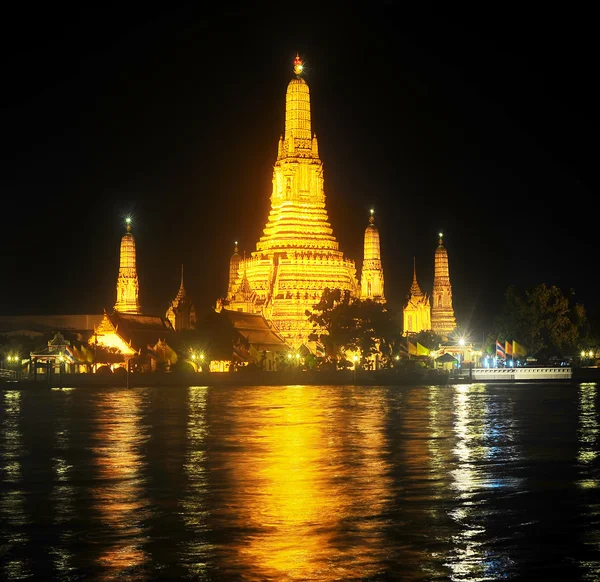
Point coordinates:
pixel 258 378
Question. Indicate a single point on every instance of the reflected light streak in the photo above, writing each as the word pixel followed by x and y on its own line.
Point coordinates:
pixel 292 493
pixel 476 445
pixel 587 456
pixel 12 500
pixel 120 496
pixel 195 505
pixel 62 494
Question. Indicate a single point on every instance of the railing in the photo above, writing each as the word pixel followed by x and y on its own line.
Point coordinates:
pixel 8 374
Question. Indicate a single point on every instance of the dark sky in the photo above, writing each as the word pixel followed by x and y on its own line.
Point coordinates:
pixel 481 125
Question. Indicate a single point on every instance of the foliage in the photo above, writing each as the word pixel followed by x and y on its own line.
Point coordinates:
pixel 543 318
pixel 343 323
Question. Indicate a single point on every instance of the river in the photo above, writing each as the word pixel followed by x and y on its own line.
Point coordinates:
pixel 466 482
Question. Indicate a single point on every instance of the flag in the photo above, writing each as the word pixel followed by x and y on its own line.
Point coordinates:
pixel 518 349
pixel 422 350
pixel 500 350
pixel 412 349
pixel 508 348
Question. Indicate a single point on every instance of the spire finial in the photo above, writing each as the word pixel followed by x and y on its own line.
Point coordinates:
pixel 414 268
pixel 128 223
pixel 182 274
pixel 441 235
pixel 372 217
pixel 298 66
pixel 235 250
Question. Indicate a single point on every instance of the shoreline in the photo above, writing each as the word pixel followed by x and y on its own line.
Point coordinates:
pixel 287 378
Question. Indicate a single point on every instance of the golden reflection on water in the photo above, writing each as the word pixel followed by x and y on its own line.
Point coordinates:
pixel 476 447
pixel 120 496
pixel 587 433
pixel 194 503
pixel 306 513
pixel 12 500
pixel 63 490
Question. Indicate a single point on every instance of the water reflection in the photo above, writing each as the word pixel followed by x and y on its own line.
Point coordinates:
pixel 588 434
pixel 120 498
pixel 194 503
pixel 484 435
pixel 308 484
pixel 15 557
pixel 63 489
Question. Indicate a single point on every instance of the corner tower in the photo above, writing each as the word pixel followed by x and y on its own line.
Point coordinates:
pixel 297 256
pixel 417 311
pixel 443 321
pixel 371 279
pixel 127 281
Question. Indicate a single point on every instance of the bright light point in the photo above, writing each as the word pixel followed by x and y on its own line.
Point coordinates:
pixel 236 243
pixel 583 354
pixel 461 341
pixel 441 234
pixel 372 211
pixel 356 358
pixel 128 220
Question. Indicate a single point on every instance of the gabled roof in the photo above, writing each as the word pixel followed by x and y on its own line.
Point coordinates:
pixel 137 330
pixel 259 332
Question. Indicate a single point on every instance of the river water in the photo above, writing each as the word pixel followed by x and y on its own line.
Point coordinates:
pixel 470 482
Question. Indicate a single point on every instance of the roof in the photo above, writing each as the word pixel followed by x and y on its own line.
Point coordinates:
pixel 447 357
pixel 140 330
pixel 257 330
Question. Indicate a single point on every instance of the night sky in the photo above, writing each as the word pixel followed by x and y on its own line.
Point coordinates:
pixel 481 125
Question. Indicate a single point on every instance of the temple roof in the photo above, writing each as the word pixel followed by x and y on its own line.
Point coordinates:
pixel 139 330
pixel 256 330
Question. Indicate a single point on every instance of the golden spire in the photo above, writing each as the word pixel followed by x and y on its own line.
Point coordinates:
pixel 181 312
pixel 415 289
pixel 371 280
pixel 234 265
pixel 297 112
pixel 127 281
pixel 442 312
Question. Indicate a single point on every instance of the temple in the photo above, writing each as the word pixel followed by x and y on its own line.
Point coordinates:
pixel 417 311
pixel 443 321
pixel 371 278
pixel 297 256
pixel 181 312
pixel 127 281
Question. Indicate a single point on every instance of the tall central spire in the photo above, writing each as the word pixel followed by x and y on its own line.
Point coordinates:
pixel 297 256
pixel 297 106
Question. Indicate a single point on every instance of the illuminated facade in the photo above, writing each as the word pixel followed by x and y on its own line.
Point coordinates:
pixel 181 312
pixel 371 277
pixel 127 282
pixel 443 321
pixel 297 256
pixel 417 312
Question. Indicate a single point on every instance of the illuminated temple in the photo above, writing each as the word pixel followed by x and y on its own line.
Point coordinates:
pixel 127 281
pixel 417 311
pixel 297 256
pixel 443 321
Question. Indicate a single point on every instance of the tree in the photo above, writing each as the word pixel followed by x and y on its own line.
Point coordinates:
pixel 543 318
pixel 343 323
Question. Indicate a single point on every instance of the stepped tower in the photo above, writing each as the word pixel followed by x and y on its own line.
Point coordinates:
pixel 297 256
pixel 127 282
pixel 443 321
pixel 371 279
pixel 181 312
pixel 417 311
